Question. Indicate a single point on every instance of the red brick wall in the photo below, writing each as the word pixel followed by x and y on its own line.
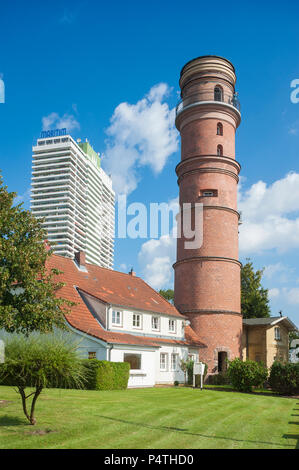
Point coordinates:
pixel 207 279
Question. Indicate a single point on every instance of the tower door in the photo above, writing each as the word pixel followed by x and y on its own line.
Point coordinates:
pixel 222 363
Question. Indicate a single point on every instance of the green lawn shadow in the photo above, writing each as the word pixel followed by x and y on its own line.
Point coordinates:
pixel 11 421
pixel 185 431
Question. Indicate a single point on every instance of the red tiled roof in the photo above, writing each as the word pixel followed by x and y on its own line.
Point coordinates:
pixel 112 287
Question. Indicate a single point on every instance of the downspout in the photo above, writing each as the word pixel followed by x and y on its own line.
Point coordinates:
pixel 107 327
pixel 247 343
pixel 109 352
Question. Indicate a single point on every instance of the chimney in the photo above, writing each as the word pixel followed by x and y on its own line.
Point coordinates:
pixel 132 273
pixel 80 259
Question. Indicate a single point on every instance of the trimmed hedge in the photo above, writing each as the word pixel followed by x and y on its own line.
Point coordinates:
pixel 244 375
pixel 284 378
pixel 105 375
pixel 219 379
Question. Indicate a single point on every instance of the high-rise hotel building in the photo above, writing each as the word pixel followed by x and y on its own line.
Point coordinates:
pixel 74 195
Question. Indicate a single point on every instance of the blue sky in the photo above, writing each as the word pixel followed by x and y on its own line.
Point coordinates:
pixel 81 60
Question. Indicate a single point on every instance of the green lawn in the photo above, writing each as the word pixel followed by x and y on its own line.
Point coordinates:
pixel 153 418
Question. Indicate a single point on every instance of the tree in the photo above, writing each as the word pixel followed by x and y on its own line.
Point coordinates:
pixel 39 361
pixel 184 368
pixel 293 335
pixel 254 298
pixel 167 294
pixel 27 289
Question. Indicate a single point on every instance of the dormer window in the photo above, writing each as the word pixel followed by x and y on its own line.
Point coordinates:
pixel 116 318
pixel 155 323
pixel 219 150
pixel 219 129
pixel 172 326
pixel 218 93
pixel 136 320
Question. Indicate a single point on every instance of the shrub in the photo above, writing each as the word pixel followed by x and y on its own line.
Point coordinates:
pixel 284 378
pixel 105 375
pixel 176 383
pixel 39 361
pixel 244 375
pixel 90 367
pixel 219 379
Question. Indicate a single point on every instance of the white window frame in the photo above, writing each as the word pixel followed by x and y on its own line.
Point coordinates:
pixel 140 321
pixel 120 318
pixel 173 367
pixel 153 318
pixel 170 321
pixel 164 369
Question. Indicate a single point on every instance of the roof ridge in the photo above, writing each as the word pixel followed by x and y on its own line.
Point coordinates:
pixel 160 295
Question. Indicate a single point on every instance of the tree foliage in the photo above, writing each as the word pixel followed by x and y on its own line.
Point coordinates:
pixel 254 298
pixel 39 361
pixel 27 289
pixel 168 294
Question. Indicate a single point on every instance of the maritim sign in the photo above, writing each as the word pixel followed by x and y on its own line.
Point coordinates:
pixel 53 133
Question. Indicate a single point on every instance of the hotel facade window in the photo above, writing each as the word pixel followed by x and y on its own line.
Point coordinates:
pixel 155 323
pixel 116 317
pixel 163 361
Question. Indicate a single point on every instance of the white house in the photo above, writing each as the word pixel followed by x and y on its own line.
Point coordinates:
pixel 118 317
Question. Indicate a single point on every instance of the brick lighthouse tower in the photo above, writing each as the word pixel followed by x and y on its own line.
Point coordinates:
pixel 207 279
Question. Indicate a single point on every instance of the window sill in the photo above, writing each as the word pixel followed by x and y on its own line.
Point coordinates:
pixel 137 372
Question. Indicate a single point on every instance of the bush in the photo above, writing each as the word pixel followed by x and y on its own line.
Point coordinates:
pixel 176 383
pixel 190 365
pixel 244 375
pixel 105 375
pixel 284 378
pixel 219 379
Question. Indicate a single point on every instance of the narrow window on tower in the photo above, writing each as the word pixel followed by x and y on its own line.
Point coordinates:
pixel 219 150
pixel 208 193
pixel 218 93
pixel 219 129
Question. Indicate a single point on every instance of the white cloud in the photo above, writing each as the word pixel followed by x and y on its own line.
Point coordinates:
pixel 292 295
pixel 157 256
pixel 23 198
pixel 269 216
pixel 273 293
pixel 54 121
pixel 141 134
